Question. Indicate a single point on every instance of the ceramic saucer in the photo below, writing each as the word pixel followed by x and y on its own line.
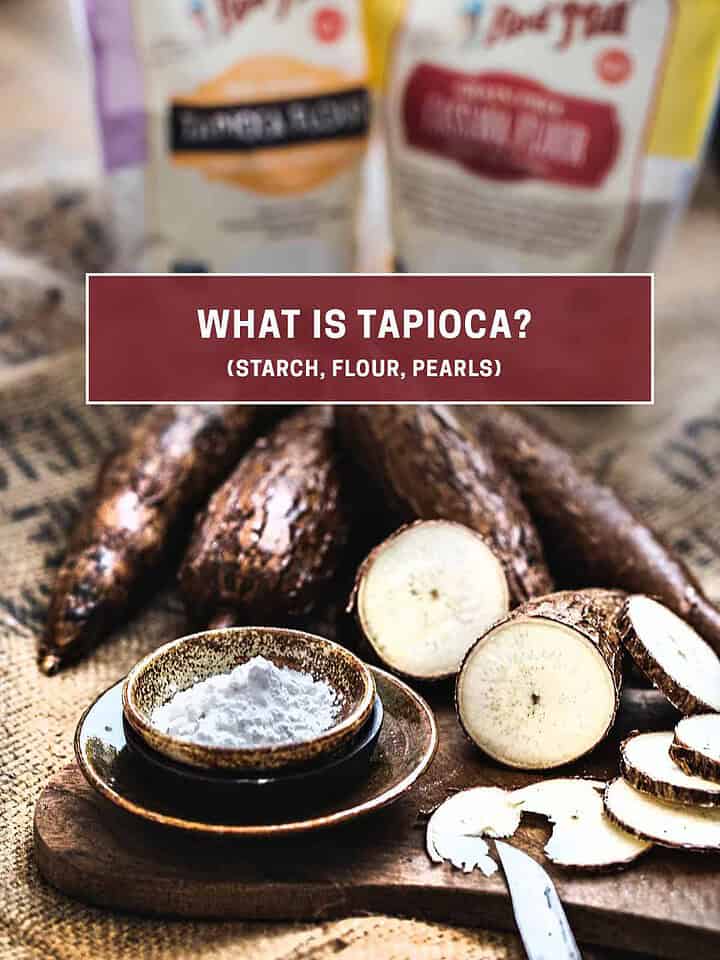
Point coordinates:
pixel 405 748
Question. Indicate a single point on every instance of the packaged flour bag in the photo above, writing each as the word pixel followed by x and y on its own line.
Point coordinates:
pixel 542 136
pixel 233 131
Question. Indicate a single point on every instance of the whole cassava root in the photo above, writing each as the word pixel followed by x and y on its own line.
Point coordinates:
pixel 590 535
pixel 270 541
pixel 143 500
pixel 542 687
pixel 427 467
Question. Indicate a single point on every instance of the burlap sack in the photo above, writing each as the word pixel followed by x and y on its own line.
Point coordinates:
pixel 666 459
pixel 50 446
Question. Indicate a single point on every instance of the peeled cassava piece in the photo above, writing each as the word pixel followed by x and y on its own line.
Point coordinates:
pixel 426 594
pixel 661 821
pixel 143 501
pixel 648 766
pixel 696 746
pixel 591 536
pixel 269 542
pixel 455 830
pixel 582 837
pixel 672 655
pixel 541 688
pixel 427 467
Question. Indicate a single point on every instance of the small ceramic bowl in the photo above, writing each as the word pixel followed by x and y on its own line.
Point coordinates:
pixel 187 661
pixel 338 771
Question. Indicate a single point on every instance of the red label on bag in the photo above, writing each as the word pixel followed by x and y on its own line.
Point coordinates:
pixel 395 338
pixel 509 128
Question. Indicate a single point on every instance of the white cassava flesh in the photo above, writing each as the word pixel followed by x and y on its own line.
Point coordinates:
pixel 455 830
pixel 696 747
pixel 582 835
pixel 535 693
pixel 672 655
pixel 426 594
pixel 648 766
pixel 669 824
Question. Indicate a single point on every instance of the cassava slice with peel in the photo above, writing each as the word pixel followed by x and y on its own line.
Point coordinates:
pixel 425 595
pixel 138 517
pixel 591 537
pixel 696 746
pixel 268 545
pixel 647 765
pixel 427 467
pixel 672 655
pixel 582 837
pixel 541 688
pixel 455 830
pixel 661 821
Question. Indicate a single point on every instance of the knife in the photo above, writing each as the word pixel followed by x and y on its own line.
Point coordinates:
pixel 539 914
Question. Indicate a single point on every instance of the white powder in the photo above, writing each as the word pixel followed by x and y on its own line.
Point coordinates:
pixel 255 705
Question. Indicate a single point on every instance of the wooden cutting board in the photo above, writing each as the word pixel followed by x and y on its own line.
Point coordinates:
pixel 666 905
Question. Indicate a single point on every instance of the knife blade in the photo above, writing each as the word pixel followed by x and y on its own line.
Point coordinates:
pixel 539 914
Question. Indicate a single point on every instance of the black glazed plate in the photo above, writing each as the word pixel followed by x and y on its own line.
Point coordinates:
pixel 335 772
pixel 407 743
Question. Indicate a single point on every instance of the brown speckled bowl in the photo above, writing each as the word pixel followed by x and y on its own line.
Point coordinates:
pixel 184 662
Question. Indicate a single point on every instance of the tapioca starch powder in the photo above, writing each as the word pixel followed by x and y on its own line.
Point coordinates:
pixel 255 705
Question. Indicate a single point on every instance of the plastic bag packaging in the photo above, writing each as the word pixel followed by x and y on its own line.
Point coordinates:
pixel 233 131
pixel 537 136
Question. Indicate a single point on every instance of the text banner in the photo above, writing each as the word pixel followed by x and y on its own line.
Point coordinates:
pixel 356 339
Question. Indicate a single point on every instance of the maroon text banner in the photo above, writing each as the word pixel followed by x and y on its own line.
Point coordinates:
pixel 355 339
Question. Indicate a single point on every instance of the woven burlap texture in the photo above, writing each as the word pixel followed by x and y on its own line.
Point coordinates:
pixel 665 458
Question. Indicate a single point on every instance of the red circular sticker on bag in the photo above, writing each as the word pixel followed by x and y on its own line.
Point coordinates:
pixel 614 66
pixel 329 24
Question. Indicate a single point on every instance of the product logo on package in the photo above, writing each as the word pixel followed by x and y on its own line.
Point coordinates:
pixel 472 13
pixel 234 12
pixel 568 22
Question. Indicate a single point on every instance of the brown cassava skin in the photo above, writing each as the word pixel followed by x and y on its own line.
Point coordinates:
pixel 427 467
pixel 270 541
pixel 658 788
pixel 141 508
pixel 694 763
pixel 591 536
pixel 681 698
pixel 592 612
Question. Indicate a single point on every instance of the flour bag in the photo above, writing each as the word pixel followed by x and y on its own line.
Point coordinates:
pixel 233 131
pixel 542 136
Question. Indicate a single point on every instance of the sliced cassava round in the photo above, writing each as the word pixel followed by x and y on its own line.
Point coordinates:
pixel 662 821
pixel 696 746
pixel 541 688
pixel 425 466
pixel 582 837
pixel 455 830
pixel 672 655
pixel 647 765
pixel 425 595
